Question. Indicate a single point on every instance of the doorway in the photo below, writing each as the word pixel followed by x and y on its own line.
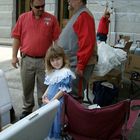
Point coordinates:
pixel 63 13
pixel 22 6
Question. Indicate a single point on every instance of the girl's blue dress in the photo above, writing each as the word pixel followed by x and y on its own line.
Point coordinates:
pixel 58 80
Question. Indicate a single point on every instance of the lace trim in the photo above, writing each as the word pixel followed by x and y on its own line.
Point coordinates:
pixel 58 75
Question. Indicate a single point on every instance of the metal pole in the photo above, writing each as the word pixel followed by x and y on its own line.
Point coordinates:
pixel 112 8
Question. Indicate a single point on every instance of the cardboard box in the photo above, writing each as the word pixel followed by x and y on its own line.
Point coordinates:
pixel 133 63
pixel 114 77
pixel 126 38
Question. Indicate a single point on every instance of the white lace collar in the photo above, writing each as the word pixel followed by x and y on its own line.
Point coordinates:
pixel 57 75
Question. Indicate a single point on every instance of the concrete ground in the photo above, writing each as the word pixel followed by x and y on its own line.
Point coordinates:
pixel 15 87
pixel 13 79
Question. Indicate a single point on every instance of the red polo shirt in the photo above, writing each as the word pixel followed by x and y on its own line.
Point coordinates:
pixel 36 35
pixel 103 26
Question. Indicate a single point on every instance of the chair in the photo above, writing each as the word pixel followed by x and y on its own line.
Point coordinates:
pixel 137 49
pixel 0 122
pixel 5 100
pixel 35 126
pixel 134 85
pixel 107 123
pixel 134 114
pixel 138 43
pixel 127 46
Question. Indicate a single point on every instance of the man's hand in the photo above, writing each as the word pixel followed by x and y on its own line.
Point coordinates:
pixel 79 72
pixel 106 4
pixel 15 62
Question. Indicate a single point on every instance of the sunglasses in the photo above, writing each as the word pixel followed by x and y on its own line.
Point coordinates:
pixel 38 7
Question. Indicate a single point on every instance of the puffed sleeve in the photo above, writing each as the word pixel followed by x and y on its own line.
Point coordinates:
pixel 66 84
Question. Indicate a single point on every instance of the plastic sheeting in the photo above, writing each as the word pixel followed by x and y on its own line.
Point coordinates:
pixel 109 58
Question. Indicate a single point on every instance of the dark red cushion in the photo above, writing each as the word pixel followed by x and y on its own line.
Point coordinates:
pixel 104 123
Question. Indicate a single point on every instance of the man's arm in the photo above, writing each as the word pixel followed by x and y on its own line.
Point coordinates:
pixel 106 9
pixel 15 48
pixel 86 40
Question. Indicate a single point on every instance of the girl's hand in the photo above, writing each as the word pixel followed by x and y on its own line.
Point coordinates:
pixel 45 100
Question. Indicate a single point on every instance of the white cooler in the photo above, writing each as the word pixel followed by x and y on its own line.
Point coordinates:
pixel 5 100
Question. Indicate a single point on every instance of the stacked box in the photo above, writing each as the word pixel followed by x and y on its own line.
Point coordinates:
pixel 114 77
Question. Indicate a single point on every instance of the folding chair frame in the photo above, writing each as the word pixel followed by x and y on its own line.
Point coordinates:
pixel 66 135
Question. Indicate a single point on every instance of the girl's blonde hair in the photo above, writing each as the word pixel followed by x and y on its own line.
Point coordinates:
pixel 53 52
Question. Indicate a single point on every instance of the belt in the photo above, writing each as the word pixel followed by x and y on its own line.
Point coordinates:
pixel 24 55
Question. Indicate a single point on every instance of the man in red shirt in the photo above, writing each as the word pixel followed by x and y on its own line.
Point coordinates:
pixel 33 34
pixel 79 43
pixel 103 26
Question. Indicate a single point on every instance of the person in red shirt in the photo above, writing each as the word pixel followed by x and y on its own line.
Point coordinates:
pixel 33 34
pixel 103 26
pixel 78 39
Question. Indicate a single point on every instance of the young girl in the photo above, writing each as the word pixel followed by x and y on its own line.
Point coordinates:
pixel 58 78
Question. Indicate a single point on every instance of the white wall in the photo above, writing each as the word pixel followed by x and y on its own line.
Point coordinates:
pixel 124 20
pixel 6 17
pixel 50 6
